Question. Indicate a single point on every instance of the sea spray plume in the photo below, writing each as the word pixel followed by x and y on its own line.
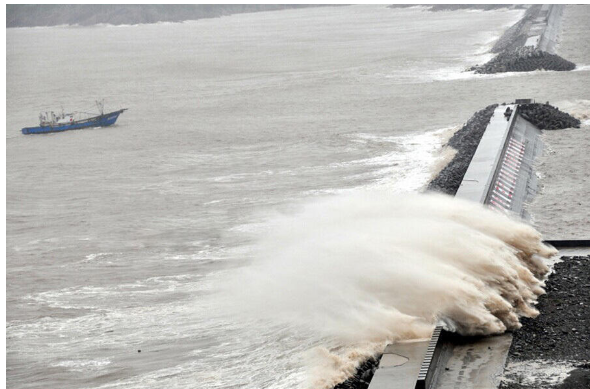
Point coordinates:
pixel 370 267
pixel 329 368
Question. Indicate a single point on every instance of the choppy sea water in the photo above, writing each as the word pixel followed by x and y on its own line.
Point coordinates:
pixel 118 238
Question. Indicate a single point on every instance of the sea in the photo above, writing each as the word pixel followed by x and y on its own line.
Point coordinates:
pixel 122 242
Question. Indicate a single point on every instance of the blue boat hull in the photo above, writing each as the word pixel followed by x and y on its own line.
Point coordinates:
pixel 99 121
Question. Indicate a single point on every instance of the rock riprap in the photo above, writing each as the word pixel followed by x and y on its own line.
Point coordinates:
pixel 524 59
pixel 465 141
pixel 547 117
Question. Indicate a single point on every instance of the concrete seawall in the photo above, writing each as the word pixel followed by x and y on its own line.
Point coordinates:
pixel 501 171
pixel 480 173
pixel 544 28
pixel 500 175
pixel 548 39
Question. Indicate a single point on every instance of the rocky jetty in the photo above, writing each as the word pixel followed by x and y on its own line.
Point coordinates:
pixel 514 56
pixel 524 59
pixel 560 333
pixel 547 117
pixel 465 141
pixel 517 35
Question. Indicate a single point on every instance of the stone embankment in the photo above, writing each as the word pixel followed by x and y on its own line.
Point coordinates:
pixel 465 141
pixel 520 49
pixel 524 59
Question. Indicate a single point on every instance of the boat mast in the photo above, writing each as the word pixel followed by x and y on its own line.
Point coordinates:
pixel 100 105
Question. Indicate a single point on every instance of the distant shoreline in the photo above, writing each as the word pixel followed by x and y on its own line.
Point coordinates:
pixel 24 15
pixel 459 7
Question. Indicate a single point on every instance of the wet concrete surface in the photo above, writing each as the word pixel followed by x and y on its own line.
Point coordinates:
pixel 480 173
pixel 400 365
pixel 472 363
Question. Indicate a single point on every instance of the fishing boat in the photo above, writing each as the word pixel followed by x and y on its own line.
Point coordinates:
pixel 52 122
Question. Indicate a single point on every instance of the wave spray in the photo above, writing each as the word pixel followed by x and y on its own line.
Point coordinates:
pixel 367 268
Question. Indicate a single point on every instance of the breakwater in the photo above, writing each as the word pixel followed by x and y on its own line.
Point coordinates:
pixel 529 44
pixel 517 35
pixel 466 140
pixel 508 187
pixel 524 59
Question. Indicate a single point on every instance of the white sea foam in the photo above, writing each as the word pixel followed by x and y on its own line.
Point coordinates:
pixel 92 257
pixel 581 68
pixel 406 167
pixel 102 297
pixel 457 73
pixel 81 365
pixel 538 373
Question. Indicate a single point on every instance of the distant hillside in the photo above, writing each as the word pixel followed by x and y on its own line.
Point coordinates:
pixel 484 7
pixel 24 15
pixel 455 7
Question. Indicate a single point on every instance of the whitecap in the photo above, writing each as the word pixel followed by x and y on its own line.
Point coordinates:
pixel 83 364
